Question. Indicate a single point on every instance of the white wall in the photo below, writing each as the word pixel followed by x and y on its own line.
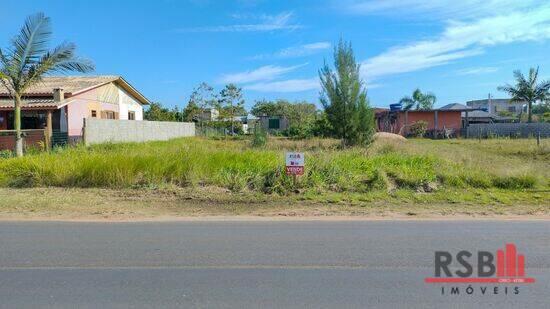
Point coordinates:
pixel 108 97
pixel 117 131
pixel 128 103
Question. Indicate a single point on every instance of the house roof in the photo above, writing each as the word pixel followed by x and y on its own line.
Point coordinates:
pixel 493 100
pixel 455 106
pixel 485 114
pixel 29 103
pixel 73 85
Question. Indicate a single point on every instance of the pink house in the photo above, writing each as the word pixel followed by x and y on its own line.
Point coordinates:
pixel 60 105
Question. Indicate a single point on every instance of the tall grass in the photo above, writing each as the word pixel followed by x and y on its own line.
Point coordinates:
pixel 238 166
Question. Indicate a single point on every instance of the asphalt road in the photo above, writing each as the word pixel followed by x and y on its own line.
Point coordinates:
pixel 257 264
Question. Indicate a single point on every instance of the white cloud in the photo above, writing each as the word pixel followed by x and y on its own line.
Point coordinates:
pixel 477 71
pixel 437 9
pixel 291 85
pixel 296 51
pixel 265 73
pixel 460 40
pixel 267 23
pixel 303 50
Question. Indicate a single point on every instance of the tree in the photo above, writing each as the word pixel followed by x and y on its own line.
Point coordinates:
pixel 28 59
pixel 230 103
pixel 300 115
pixel 265 108
pixel 541 108
pixel 191 111
pixel 202 97
pixel 422 101
pixel 156 112
pixel 344 98
pixel 528 90
pixel 295 112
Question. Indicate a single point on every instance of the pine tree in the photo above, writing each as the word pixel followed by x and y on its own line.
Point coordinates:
pixel 344 98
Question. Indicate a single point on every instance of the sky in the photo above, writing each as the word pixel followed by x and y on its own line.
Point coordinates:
pixel 459 50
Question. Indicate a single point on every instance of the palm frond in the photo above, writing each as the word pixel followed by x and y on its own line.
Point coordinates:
pixel 407 102
pixel 61 59
pixel 417 95
pixel 533 76
pixel 7 67
pixel 542 91
pixel 5 72
pixel 430 97
pixel 32 41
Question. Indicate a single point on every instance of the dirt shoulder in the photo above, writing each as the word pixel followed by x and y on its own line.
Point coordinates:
pixel 211 203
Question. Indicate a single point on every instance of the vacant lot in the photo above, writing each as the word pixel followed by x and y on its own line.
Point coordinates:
pixel 498 176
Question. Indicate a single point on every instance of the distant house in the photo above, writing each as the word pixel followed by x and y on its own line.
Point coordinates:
pixel 273 123
pixel 481 116
pixel 61 103
pixel 496 106
pixel 209 114
pixel 447 119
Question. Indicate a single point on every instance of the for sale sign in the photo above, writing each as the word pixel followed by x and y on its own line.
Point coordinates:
pixel 295 163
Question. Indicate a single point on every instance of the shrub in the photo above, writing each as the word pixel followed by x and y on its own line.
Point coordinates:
pixel 514 182
pixel 299 132
pixel 419 128
pixel 259 137
pixel 6 154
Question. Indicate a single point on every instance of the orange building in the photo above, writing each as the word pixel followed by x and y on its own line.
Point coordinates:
pixel 443 121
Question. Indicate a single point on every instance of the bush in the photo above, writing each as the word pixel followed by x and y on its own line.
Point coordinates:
pixel 6 154
pixel 419 128
pixel 299 132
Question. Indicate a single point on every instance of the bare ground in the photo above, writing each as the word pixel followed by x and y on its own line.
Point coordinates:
pixel 212 203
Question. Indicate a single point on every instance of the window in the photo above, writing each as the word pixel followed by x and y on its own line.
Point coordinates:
pixel 131 115
pixel 274 123
pixel 108 115
pixel 94 114
pixel 512 109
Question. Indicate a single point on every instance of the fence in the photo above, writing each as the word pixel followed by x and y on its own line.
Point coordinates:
pixel 31 138
pixel 507 130
pixel 210 131
pixel 105 130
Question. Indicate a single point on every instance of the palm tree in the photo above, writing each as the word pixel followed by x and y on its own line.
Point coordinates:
pixel 528 90
pixel 421 100
pixel 27 60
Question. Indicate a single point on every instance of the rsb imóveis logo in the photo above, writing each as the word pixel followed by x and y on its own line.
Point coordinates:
pixel 506 266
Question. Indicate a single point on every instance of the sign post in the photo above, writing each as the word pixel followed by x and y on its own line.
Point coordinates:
pixel 295 163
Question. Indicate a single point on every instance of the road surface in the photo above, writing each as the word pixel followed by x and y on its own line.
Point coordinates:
pixel 354 264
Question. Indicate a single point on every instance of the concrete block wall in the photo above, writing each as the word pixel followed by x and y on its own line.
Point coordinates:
pixel 509 129
pixel 98 131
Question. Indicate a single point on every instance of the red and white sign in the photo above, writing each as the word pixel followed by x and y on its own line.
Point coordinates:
pixel 294 163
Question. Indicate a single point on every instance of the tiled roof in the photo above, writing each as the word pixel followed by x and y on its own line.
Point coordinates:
pixel 70 84
pixel 29 103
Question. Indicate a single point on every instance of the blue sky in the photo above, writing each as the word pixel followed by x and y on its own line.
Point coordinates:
pixel 460 50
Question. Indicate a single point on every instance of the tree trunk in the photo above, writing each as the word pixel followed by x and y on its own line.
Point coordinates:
pixel 529 113
pixel 17 127
pixel 232 116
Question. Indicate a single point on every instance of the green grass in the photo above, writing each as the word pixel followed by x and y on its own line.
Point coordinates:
pixel 387 166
